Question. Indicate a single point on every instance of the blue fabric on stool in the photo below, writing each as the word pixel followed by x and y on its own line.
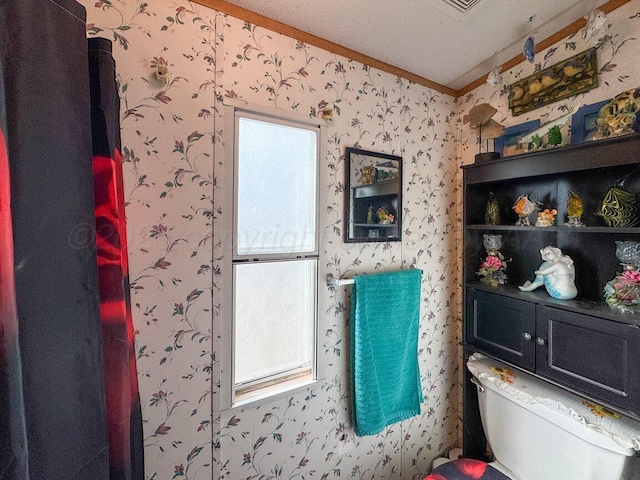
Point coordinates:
pixel 466 469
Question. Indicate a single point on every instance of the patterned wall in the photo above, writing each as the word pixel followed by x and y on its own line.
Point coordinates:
pixel 298 435
pixel 172 140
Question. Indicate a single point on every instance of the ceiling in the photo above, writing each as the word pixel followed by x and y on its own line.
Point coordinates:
pixel 429 38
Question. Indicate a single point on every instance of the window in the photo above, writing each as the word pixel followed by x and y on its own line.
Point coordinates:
pixel 271 207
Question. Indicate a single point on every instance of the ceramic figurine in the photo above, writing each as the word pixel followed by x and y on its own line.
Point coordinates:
pixel 495 79
pixel 575 208
pixel 623 292
pixel 371 217
pixel 524 207
pixel 619 116
pixel 556 273
pixel 493 268
pixel 548 135
pixel 596 20
pixel 628 254
pixel 367 175
pixel 384 216
pixel 619 208
pixel 492 211
pixel 529 49
pixel 546 218
pixel 492 243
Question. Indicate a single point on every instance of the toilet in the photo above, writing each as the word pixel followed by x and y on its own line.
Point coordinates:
pixel 537 431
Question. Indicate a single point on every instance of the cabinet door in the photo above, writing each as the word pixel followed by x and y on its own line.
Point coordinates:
pixel 596 356
pixel 501 326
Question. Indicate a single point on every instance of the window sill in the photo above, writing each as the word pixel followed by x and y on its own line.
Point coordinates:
pixel 264 396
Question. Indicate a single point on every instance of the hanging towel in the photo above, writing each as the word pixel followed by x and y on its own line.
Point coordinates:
pixel 385 378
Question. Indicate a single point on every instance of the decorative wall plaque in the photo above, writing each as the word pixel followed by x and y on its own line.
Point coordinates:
pixel 564 79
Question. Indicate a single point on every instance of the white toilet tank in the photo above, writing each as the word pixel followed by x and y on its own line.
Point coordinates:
pixel 540 432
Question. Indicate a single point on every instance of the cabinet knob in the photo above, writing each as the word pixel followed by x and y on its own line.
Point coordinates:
pixel 526 336
pixel 540 341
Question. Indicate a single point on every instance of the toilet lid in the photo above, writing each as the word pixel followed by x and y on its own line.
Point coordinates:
pixel 466 469
pixel 601 424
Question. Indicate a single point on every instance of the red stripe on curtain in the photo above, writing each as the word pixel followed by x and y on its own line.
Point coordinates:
pixel 121 382
pixel 14 462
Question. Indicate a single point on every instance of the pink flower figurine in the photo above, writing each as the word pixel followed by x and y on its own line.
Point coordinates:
pixel 492 262
pixel 631 276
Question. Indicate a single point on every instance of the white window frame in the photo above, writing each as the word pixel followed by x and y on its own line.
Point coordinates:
pixel 232 109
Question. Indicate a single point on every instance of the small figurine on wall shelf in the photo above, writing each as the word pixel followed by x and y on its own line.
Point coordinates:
pixel 546 217
pixel 619 207
pixel 384 216
pixel 575 207
pixel 557 273
pixel 552 134
pixel 367 175
pixel 494 266
pixel 486 128
pixel 620 115
pixel 371 216
pixel 524 207
pixel 623 292
pixel 492 211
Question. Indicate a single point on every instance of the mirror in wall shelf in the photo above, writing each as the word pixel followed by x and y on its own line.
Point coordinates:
pixel 373 203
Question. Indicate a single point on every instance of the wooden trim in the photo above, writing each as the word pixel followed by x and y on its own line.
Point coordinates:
pixel 289 31
pixel 319 42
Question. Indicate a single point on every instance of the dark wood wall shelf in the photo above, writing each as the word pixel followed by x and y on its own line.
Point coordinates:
pixel 570 158
pixel 552 339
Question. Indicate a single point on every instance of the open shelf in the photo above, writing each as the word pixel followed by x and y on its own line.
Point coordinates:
pixel 561 228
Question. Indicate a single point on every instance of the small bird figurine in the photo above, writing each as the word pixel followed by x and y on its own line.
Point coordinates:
pixel 535 86
pixel 574 205
pixel 516 93
pixel 596 20
pixel 549 78
pixel 494 78
pixel 571 69
pixel 524 207
pixel 492 211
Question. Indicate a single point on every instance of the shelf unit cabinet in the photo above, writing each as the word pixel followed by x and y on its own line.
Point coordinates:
pixel 502 326
pixel 580 345
pixel 582 352
pixel 375 196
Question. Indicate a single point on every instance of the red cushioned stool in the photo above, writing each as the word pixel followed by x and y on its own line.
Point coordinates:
pixel 466 469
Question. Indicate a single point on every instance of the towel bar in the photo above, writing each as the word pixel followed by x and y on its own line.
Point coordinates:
pixel 338 282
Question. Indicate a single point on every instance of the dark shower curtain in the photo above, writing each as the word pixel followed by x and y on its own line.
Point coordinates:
pixel 121 384
pixel 53 415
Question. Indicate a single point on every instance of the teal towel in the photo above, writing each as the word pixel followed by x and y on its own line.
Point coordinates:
pixel 385 377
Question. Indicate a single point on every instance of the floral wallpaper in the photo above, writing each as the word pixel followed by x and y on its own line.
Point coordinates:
pixel 311 434
pixel 172 143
